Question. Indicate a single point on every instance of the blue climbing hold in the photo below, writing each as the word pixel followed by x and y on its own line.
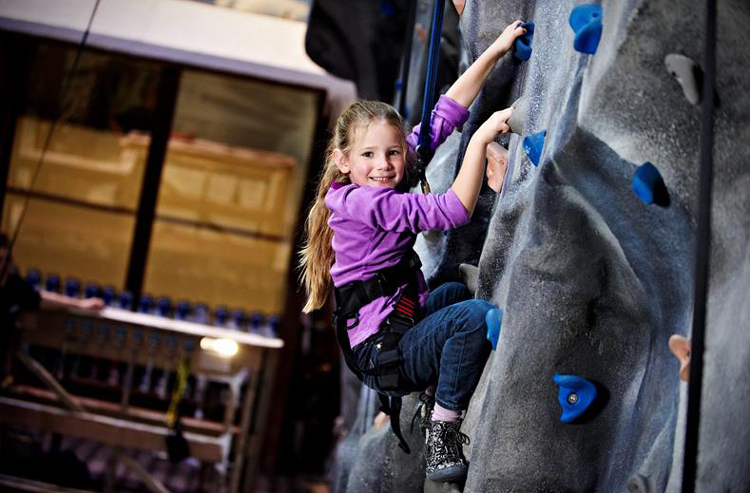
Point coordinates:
pixel 533 145
pixel 649 186
pixel 522 46
pixel 575 395
pixel 494 319
pixel 586 21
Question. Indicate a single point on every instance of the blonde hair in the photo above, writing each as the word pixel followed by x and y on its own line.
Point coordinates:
pixel 317 256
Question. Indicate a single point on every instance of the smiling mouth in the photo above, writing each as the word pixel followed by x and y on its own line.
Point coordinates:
pixel 382 178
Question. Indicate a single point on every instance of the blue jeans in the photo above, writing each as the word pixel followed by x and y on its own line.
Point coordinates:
pixel 448 347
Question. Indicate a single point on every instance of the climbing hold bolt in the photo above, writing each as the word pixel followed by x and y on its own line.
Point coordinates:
pixel 649 186
pixel 520 113
pixel 494 319
pixel 533 145
pixel 522 46
pixel 575 395
pixel 688 74
pixel 586 21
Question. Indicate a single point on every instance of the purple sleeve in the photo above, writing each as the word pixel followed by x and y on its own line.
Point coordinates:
pixel 392 211
pixel 446 117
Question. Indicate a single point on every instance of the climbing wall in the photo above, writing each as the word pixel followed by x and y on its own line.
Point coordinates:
pixel 589 253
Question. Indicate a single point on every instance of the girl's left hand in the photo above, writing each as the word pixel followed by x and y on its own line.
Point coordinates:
pixel 505 41
pixel 497 123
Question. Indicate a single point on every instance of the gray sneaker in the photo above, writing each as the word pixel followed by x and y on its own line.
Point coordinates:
pixel 444 453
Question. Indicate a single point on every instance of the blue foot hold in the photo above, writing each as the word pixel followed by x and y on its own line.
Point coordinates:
pixel 575 395
pixel 522 46
pixel 533 145
pixel 586 21
pixel 494 319
pixel 649 186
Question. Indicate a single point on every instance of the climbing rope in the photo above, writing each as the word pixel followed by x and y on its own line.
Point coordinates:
pixel 702 254
pixel 424 152
pixel 59 120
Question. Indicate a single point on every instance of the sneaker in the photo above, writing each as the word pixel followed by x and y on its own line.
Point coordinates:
pixel 423 413
pixel 444 453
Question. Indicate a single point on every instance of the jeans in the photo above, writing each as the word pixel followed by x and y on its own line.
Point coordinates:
pixel 448 347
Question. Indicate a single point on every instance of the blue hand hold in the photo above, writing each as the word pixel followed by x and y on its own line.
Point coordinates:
pixel 533 145
pixel 586 21
pixel 575 395
pixel 522 46
pixel 649 186
pixel 494 319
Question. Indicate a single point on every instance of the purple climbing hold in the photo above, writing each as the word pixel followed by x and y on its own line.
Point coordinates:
pixel 586 21
pixel 494 319
pixel 649 186
pixel 522 46
pixel 575 395
pixel 533 145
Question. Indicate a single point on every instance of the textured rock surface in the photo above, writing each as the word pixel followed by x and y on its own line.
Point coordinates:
pixel 591 280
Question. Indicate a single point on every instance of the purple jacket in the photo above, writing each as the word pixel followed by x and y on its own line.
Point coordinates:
pixel 374 227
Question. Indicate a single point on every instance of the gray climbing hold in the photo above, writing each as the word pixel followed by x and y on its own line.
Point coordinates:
pixel 639 484
pixel 688 74
pixel 517 120
pixel 469 274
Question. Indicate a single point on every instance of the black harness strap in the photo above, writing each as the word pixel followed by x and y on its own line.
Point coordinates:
pixel 353 296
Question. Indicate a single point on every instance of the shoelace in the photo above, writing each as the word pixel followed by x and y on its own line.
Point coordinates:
pixel 449 444
pixel 423 400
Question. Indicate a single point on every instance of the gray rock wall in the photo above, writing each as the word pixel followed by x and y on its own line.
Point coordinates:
pixel 593 281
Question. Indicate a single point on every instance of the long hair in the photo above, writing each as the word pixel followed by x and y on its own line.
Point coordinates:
pixel 317 256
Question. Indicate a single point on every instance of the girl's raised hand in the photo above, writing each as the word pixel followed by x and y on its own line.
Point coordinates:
pixel 505 41
pixel 495 124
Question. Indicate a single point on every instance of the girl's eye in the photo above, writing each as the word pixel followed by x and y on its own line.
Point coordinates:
pixel 367 154
pixel 394 152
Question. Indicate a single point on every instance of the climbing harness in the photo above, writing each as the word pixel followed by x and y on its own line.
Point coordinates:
pixel 353 296
pixel 423 151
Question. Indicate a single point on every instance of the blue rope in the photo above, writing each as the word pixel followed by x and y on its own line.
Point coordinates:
pixel 428 100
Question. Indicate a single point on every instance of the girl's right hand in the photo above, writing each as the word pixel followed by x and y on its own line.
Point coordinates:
pixel 495 124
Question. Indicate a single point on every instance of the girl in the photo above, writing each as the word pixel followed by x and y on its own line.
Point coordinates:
pixel 360 233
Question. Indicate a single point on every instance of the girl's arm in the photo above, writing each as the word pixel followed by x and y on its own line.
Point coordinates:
pixel 468 182
pixel 466 88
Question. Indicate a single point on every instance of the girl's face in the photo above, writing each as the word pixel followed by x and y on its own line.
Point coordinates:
pixel 376 156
